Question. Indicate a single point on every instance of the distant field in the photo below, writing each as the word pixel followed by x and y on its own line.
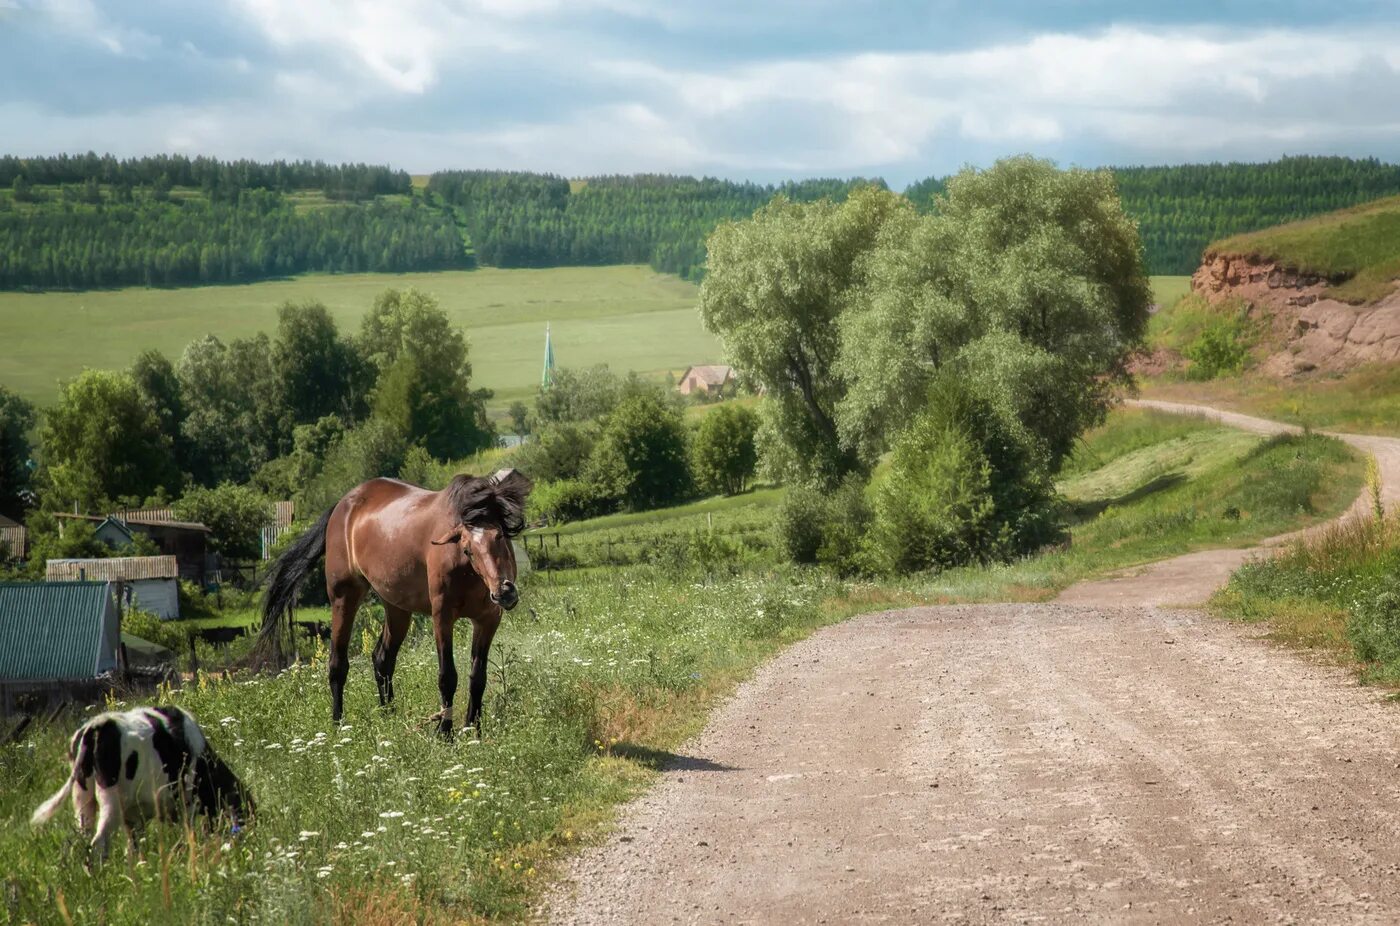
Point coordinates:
pixel 631 318
pixel 1167 289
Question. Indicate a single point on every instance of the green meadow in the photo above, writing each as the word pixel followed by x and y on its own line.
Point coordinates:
pixel 628 317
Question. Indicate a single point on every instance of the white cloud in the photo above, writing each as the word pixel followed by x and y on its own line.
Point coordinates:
pixel 419 84
pixel 83 19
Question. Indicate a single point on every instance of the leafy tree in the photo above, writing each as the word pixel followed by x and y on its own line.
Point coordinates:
pixel 579 394
pixel 520 418
pixel 233 423
pixel 155 377
pixel 103 441
pixel 317 371
pixel 776 285
pixel 1026 283
pixel 373 448
pixel 16 420
pixel 556 452
pixel 424 375
pixel 640 457
pixel 724 452
pixel 234 514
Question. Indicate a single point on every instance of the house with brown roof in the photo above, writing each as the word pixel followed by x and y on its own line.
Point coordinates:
pixel 187 541
pixel 707 380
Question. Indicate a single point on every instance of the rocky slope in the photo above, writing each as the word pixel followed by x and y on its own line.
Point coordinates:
pixel 1310 330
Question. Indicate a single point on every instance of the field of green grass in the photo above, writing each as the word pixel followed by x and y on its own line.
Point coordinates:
pixel 1148 485
pixel 1166 290
pixel 628 317
pixel 1357 247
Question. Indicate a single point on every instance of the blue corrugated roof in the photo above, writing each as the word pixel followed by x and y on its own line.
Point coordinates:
pixel 56 630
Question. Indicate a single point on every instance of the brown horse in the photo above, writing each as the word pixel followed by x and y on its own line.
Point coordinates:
pixel 445 553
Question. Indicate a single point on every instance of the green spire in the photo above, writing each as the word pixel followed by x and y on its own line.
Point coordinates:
pixel 547 377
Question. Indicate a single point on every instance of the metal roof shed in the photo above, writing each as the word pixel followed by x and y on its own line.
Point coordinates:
pixel 57 631
pixel 151 581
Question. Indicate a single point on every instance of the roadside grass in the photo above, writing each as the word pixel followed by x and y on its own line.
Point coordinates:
pixel 628 317
pixel 1133 500
pixel 1359 248
pixel 1338 593
pixel 594 682
pixel 1363 401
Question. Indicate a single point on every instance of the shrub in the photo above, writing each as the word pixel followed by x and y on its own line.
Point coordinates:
pixel 935 509
pixel 173 635
pixel 964 486
pixel 640 458
pixel 566 500
pixel 1374 626
pixel 1221 348
pixel 556 452
pixel 725 455
pixel 799 525
pixel 234 514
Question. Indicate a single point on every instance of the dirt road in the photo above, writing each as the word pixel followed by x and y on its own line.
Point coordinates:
pixel 1095 758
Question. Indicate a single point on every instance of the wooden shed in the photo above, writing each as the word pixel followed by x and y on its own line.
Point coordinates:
pixel 152 581
pixel 187 541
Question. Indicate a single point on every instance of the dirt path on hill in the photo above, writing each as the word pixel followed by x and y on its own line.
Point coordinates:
pixel 1095 758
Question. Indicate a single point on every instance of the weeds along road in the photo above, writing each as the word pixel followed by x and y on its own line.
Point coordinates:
pixel 1101 757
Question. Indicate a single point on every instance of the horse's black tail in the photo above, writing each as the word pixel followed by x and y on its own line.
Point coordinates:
pixel 288 572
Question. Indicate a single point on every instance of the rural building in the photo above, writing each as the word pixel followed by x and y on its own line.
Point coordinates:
pixel 12 539
pixel 283 514
pixel 187 541
pixel 57 632
pixel 153 581
pixel 708 380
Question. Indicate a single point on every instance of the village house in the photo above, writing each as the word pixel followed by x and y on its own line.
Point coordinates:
pixel 151 582
pixel 187 541
pixel 710 380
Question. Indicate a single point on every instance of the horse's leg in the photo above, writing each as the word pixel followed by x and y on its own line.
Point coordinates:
pixel 447 665
pixel 346 596
pixel 482 633
pixel 386 652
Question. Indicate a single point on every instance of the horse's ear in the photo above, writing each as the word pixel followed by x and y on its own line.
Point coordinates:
pixel 449 537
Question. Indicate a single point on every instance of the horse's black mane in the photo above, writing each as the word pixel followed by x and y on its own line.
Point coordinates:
pixel 483 501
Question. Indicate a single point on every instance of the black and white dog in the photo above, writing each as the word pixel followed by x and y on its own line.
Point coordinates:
pixel 149 762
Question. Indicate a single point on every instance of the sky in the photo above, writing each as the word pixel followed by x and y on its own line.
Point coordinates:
pixel 745 89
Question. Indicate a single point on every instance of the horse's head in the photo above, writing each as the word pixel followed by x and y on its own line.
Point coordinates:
pixel 489 511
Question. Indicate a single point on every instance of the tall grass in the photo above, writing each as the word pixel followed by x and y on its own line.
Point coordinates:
pixel 1339 590
pixel 591 682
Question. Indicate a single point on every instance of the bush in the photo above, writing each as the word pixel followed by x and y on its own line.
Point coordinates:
pixel 173 635
pixel 725 455
pixel 566 500
pixel 964 486
pixel 826 528
pixel 1374 626
pixel 234 514
pixel 640 458
pixel 555 452
pixel 799 525
pixel 935 509
pixel 1221 348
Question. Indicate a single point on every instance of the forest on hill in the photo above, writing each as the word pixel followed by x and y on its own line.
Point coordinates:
pixel 83 221
pixel 1182 208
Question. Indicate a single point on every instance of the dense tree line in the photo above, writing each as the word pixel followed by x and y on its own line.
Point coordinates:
pixel 338 181
pixel 517 219
pixel 1181 209
pixel 182 242
pixel 93 220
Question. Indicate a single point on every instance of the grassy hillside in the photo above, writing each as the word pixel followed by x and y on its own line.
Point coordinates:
pixel 627 317
pixel 1357 247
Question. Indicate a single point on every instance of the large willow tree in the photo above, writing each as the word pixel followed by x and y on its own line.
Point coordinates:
pixel 1026 284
